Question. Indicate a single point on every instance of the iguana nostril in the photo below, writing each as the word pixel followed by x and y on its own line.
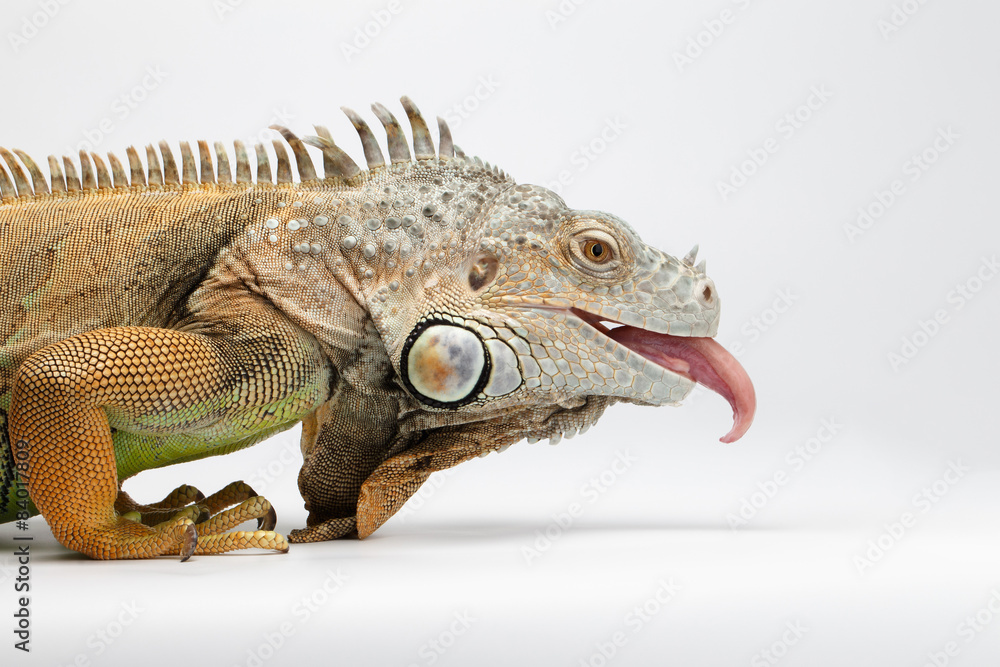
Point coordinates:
pixel 707 293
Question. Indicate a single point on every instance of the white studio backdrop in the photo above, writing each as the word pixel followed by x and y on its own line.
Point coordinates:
pixel 837 163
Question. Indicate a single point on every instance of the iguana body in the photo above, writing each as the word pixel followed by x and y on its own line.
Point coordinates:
pixel 412 316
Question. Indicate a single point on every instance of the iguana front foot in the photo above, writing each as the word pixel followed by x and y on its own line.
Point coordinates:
pixel 211 518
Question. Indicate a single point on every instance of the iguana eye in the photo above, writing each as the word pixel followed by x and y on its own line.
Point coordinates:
pixel 596 251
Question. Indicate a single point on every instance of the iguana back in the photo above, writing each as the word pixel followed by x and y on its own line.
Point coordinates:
pixel 111 258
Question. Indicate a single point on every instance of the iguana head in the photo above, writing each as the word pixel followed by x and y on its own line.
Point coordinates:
pixel 555 305
pixel 505 300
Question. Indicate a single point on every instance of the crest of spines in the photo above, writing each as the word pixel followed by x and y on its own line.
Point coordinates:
pixel 94 174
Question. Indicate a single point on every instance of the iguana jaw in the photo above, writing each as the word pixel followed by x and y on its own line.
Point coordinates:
pixel 698 359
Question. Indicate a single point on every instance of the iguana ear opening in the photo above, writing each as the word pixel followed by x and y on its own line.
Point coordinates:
pixel 483 271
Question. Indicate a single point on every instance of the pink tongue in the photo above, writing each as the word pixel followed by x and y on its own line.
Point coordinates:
pixel 702 360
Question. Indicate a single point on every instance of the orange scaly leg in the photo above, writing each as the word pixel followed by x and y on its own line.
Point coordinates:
pixel 59 416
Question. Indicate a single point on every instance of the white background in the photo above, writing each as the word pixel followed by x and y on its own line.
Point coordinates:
pixel 815 311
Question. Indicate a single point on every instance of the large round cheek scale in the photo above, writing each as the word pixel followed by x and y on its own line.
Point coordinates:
pixel 445 363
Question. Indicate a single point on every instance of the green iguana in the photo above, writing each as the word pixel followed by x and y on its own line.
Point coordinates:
pixel 412 316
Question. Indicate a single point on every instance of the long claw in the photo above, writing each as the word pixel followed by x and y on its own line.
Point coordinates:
pixel 269 521
pixel 189 542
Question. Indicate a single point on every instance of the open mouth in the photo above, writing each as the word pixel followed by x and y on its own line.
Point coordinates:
pixel 699 359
